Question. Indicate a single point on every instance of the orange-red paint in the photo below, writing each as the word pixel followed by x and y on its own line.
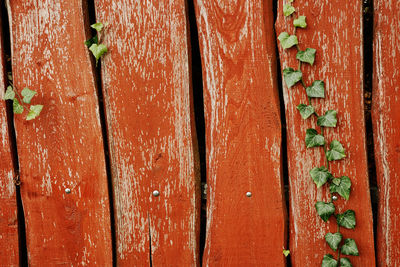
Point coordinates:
pixel 147 93
pixel 243 134
pixel 63 147
pixel 336 32
pixel 386 125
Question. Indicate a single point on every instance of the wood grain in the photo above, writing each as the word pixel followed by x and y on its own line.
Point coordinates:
pixel 243 134
pixel 386 126
pixel 147 91
pixel 63 148
pixel 9 254
pixel 336 33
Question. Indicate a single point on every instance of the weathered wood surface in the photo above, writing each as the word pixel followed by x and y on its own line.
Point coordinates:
pixel 336 33
pixel 386 125
pixel 147 91
pixel 243 134
pixel 62 148
pixel 8 203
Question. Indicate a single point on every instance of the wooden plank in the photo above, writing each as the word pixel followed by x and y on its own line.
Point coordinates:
pixel 147 91
pixel 243 134
pixel 336 33
pixel 386 126
pixel 63 148
pixel 9 255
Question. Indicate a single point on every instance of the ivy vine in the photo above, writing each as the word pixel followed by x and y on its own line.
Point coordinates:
pixel 322 175
pixel 22 102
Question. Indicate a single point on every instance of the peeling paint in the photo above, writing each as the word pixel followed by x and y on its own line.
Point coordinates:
pixel 63 146
pixel 386 123
pixel 242 135
pixel 146 85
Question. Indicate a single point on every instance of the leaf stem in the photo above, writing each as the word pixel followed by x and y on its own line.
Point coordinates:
pixel 338 255
pixel 309 101
pixel 327 161
pixel 303 83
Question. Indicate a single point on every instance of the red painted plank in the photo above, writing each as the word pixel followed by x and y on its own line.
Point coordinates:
pixel 146 85
pixel 9 255
pixel 243 134
pixel 386 125
pixel 336 33
pixel 63 148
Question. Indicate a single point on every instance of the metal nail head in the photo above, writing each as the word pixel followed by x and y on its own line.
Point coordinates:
pixel 248 194
pixel 334 197
pixel 67 190
pixel 156 193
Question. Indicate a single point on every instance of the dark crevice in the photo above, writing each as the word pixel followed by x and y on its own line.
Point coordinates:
pixel 368 31
pixel 23 251
pixel 197 82
pixel 150 256
pixel 91 19
pixel 23 254
pixel 285 170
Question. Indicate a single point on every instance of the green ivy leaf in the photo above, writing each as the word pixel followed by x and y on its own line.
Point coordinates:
pixel 97 26
pixel 341 186
pixel 347 219
pixel 307 56
pixel 345 262
pixel 325 209
pixel 336 181
pixel 333 240
pixel 317 89
pixel 320 175
pixel 10 94
pixel 17 107
pixel 288 10
pixel 98 50
pixel 328 120
pixel 300 22
pixel 286 252
pixel 305 111
pixel 349 247
pixel 287 41
pixel 291 76
pixel 27 94
pixel 314 139
pixel 328 261
pixel 336 151
pixel 93 40
pixel 34 112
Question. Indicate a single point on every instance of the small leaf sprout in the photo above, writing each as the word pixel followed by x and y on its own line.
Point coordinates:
pixel 22 102
pixel 94 44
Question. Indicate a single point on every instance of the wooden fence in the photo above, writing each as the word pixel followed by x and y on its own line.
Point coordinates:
pixel 126 138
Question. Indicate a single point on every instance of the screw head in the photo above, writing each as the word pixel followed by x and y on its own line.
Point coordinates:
pixel 334 197
pixel 156 193
pixel 248 194
pixel 67 190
